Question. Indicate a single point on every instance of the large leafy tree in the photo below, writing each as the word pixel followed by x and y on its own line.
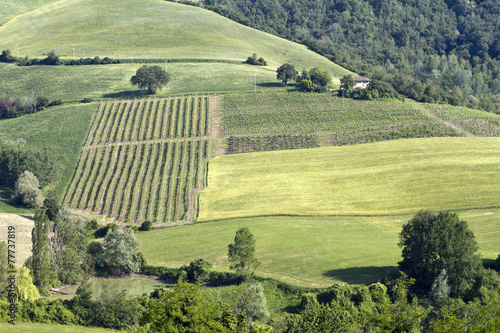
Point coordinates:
pixel 121 251
pixel 43 273
pixel 242 253
pixel 181 309
pixel 152 78
pixel 285 73
pixel 435 242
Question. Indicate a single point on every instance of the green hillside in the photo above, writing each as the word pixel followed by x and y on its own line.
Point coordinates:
pixel 391 177
pixel 13 8
pixel 64 128
pixel 147 29
pixel 307 251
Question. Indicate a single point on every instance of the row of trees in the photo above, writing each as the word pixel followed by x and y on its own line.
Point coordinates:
pixel 316 79
pixel 53 60
pixel 11 107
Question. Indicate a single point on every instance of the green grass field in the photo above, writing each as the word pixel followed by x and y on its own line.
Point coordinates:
pixel 13 8
pixel 147 29
pixel 135 286
pixel 307 251
pixel 391 177
pixel 64 128
pixel 73 83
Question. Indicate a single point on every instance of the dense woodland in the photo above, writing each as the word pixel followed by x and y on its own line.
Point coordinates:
pixel 445 51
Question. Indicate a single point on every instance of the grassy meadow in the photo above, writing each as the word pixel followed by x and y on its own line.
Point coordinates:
pixel 64 127
pixel 23 223
pixel 13 8
pixel 307 251
pixel 148 29
pixel 383 178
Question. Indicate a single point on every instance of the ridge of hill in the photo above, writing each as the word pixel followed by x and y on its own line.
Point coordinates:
pixel 148 29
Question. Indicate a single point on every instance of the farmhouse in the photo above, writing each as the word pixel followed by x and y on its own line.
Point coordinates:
pixel 361 82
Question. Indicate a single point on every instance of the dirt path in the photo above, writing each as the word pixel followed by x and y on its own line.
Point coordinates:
pixel 434 115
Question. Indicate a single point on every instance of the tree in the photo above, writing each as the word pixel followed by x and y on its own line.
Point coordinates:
pixel 254 61
pixel 25 289
pixel 27 190
pixel 43 273
pixel 435 242
pixel 182 309
pixel 285 73
pixel 152 78
pixel 241 253
pixel 253 302
pixel 52 59
pixel 347 82
pixel 320 77
pixel 120 251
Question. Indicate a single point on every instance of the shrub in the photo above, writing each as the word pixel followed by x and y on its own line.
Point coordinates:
pixel 146 225
pixel 27 190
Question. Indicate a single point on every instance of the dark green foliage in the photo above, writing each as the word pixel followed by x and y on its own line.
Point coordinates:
pixel 254 61
pixel 6 56
pixel 433 242
pixel 51 208
pixel 43 273
pixel 45 311
pixel 246 144
pixel 52 59
pixel 198 270
pixel 146 225
pixel 316 79
pixel 316 317
pixel 241 253
pixel 347 83
pixel 116 310
pixel 152 78
pixel 441 51
pixel 45 163
pixel 102 231
pixel 182 310
pixel 285 73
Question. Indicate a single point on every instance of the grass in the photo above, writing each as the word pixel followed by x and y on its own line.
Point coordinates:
pixel 49 328
pixel 13 8
pixel 391 177
pixel 307 251
pixel 64 128
pixel 148 29
pixel 134 286
pixel 6 205
pixel 23 225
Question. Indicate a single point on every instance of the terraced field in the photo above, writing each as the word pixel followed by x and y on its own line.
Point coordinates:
pixel 144 160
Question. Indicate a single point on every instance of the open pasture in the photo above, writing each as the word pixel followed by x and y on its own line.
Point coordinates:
pixel 144 160
pixel 13 8
pixel 391 177
pixel 307 251
pixel 148 29
pixel 338 122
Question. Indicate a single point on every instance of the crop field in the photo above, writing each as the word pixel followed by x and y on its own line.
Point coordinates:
pixel 23 224
pixel 148 29
pixel 476 122
pixel 308 251
pixel 13 8
pixel 390 177
pixel 338 122
pixel 144 160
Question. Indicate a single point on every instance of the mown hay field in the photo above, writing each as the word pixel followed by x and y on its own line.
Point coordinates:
pixel 382 178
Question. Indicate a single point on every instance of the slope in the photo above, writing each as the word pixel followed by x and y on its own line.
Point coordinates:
pixel 393 177
pixel 147 29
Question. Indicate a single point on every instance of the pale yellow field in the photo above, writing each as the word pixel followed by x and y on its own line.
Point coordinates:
pixel 23 225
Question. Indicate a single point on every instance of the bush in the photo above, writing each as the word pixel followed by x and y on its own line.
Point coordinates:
pixel 146 225
pixel 254 61
pixel 27 190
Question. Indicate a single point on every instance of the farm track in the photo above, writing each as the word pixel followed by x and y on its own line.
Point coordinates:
pixel 144 160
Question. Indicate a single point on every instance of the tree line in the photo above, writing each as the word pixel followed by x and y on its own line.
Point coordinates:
pixel 53 60
pixel 439 286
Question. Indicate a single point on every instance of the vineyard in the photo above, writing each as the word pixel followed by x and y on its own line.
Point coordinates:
pixel 479 123
pixel 338 122
pixel 144 160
